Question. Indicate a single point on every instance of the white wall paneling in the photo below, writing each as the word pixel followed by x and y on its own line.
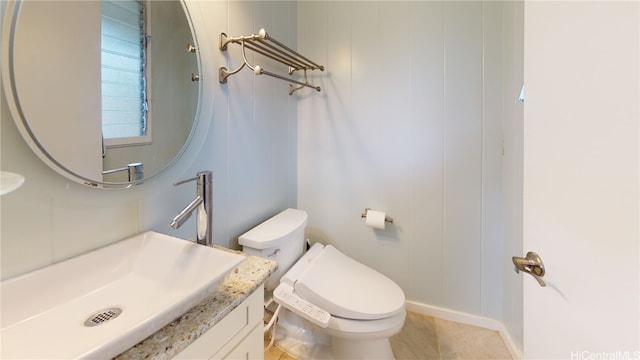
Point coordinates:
pixel 493 255
pixel 426 181
pixel 462 156
pixel 407 123
pixel 512 64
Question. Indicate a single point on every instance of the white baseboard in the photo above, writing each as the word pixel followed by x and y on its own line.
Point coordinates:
pixel 515 351
pixel 468 319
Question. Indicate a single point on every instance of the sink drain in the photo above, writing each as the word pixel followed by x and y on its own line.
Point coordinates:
pixel 102 316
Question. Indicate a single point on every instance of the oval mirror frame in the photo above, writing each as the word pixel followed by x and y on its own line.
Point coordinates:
pixel 11 18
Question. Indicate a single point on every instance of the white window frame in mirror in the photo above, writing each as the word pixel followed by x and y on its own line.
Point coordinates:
pixel 142 38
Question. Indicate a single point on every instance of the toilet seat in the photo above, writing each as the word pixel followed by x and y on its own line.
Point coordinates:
pixel 357 329
pixel 346 288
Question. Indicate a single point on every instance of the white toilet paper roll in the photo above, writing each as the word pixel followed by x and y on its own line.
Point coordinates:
pixel 375 219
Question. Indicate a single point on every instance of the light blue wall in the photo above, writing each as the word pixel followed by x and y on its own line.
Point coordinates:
pixel 409 122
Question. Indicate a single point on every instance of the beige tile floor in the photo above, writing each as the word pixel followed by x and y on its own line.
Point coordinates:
pixel 424 338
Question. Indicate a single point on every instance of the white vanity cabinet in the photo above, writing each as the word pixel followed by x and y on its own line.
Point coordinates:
pixel 239 335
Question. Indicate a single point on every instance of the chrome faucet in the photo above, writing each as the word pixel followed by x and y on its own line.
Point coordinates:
pixel 134 171
pixel 202 203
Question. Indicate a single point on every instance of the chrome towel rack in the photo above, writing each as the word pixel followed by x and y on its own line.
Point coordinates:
pixel 264 44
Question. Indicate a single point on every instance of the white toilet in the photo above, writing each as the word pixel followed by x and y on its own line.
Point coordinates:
pixel 333 307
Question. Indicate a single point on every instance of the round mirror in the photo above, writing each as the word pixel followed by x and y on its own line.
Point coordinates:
pixel 105 92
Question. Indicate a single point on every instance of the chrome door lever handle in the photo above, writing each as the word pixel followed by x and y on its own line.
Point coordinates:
pixel 532 265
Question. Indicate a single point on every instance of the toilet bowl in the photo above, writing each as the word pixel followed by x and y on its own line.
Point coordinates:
pixel 360 308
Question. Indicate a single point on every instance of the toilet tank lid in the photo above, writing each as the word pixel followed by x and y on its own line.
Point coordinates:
pixel 270 232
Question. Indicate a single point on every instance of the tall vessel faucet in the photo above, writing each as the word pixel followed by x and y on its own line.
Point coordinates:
pixel 203 204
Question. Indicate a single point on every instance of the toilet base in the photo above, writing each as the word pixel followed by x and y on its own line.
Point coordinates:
pixel 302 352
pixel 299 338
pixel 303 340
pixel 379 349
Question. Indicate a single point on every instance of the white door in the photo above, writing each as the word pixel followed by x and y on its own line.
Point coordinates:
pixel 581 179
pixel 57 81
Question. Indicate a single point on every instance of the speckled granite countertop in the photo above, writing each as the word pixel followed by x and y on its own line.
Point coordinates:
pixel 176 336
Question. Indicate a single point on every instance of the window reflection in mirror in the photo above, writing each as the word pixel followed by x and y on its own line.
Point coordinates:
pixel 168 96
pixel 124 40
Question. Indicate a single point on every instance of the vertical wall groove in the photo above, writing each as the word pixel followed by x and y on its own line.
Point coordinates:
pixel 482 152
pixel 444 145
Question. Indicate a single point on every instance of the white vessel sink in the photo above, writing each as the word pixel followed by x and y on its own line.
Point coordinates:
pixel 10 181
pixel 153 278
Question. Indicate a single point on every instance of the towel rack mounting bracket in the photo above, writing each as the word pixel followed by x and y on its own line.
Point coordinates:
pixel 263 44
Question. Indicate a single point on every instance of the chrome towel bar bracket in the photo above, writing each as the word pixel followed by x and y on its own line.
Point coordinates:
pixel 265 45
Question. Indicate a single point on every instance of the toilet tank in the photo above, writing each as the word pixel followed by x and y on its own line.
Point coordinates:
pixel 279 238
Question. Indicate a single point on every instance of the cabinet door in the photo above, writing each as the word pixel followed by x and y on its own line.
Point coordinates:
pixel 250 348
pixel 232 330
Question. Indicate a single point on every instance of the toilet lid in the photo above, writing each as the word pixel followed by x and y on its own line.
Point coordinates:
pixel 349 289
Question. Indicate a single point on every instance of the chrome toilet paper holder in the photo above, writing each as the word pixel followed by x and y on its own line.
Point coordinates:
pixel 386 218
